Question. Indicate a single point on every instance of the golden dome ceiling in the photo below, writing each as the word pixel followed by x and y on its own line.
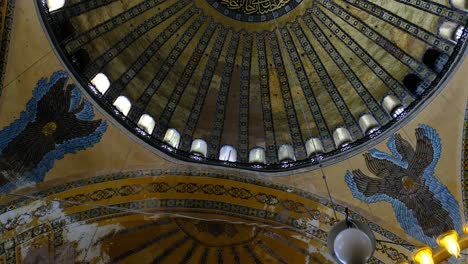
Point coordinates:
pixel 264 77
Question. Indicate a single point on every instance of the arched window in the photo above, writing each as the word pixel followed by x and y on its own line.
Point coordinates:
pixel 80 59
pixel 123 105
pixel 342 137
pixel 101 82
pixel 450 30
pixel 414 84
pixel 172 137
pixel 55 4
pixel 228 153
pixel 257 156
pixel 286 153
pixel 392 105
pixel 199 147
pixel 368 124
pixel 314 146
pixel 435 59
pixel 147 123
pixel 460 4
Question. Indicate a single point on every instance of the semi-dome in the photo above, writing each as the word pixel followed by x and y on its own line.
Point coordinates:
pixel 257 75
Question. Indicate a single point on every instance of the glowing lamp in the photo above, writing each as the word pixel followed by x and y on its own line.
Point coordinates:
pixel 423 256
pixel 465 229
pixel 449 241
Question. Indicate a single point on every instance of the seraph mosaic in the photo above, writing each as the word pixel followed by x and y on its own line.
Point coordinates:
pixel 56 122
pixel 424 207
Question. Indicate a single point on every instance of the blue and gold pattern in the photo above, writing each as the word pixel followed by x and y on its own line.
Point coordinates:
pixel 56 122
pixel 424 207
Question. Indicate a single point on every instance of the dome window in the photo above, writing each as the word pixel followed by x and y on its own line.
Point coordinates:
pixel 55 4
pixel 342 137
pixel 450 30
pixel 147 123
pixel 286 153
pixel 414 84
pixel 314 146
pixel 460 4
pixel 435 59
pixel 199 147
pixel 123 105
pixel 257 156
pixel 392 105
pixel 101 82
pixel 368 124
pixel 228 153
pixel 172 138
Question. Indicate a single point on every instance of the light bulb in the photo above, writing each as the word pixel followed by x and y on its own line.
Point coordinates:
pixel 449 241
pixel 465 229
pixel 423 256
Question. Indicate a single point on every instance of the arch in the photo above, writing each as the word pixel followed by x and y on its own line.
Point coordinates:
pixel 54 5
pixel 147 123
pixel 81 59
pixel 435 59
pixel 342 137
pixel 123 104
pixel 228 153
pixel 257 156
pixel 172 137
pixel 450 30
pixel 314 146
pixel 199 147
pixel 101 82
pixel 414 84
pixel 392 105
pixel 286 153
pixel 368 124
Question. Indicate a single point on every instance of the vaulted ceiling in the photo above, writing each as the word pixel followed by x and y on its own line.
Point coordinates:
pixel 260 74
pixel 82 181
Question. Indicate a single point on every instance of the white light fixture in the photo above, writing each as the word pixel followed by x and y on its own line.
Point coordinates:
pixel 55 4
pixel 351 242
pixel 101 82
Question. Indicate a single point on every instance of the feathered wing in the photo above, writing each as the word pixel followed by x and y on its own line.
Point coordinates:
pixel 404 148
pixel 423 156
pixel 383 168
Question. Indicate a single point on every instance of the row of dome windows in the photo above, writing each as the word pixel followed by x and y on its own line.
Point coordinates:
pixel 341 135
pixel 57 4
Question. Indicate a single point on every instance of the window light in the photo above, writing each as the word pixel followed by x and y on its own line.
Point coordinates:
pixel 314 146
pixel 286 153
pixel 123 105
pixel 101 82
pixel 55 4
pixel 199 147
pixel 342 137
pixel 172 137
pixel 147 123
pixel 228 153
pixel 257 156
